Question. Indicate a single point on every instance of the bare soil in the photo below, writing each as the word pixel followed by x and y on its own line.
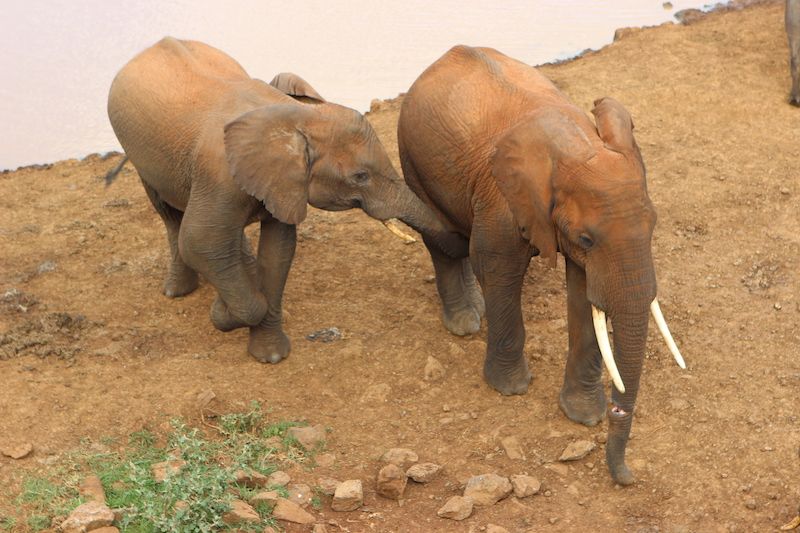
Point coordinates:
pixel 90 348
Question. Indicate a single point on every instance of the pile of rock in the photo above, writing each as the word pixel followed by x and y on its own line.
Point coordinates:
pixel 486 490
pixel 402 464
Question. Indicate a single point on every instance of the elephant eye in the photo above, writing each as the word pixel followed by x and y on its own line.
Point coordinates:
pixel 585 241
pixel 361 177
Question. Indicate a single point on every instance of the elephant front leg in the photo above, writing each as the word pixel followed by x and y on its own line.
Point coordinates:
pixel 582 396
pixel 276 246
pixel 499 262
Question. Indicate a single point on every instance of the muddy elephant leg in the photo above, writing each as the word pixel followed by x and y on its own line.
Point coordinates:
pixel 222 317
pixel 462 301
pixel 794 60
pixel 181 278
pixel 211 242
pixel 499 259
pixel 276 246
pixel 582 396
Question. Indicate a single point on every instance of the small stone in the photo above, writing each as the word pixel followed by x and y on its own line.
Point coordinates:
pixel 309 437
pixel 278 478
pixel 327 485
pixel 512 448
pixel 349 496
pixel 577 450
pixel 601 438
pixel 391 482
pixel 266 496
pixel 423 472
pixel 325 460
pixel 319 528
pixel 87 517
pixel 553 520
pixel 494 528
pixel 17 451
pixel 377 393
pixel 92 489
pixel 300 493
pixel 289 511
pixel 678 404
pixel 456 508
pixel 574 489
pixel 205 398
pixel 456 350
pixel 750 503
pixel 241 513
pixel 487 489
pixel 558 468
pixel 251 480
pixel 525 486
pixel 325 335
pixel 163 469
pixel 434 371
pixel 401 457
pixel 785 191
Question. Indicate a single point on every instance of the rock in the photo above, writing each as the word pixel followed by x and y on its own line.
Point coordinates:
pixel 391 482
pixel 319 528
pixel 434 371
pixel 689 16
pixel 267 496
pixel 300 493
pixel 750 503
pixel 241 513
pixel 325 335
pixel 512 448
pixel 456 508
pixel 494 528
pixel 577 450
pixel 349 496
pixel 377 393
pixel 423 472
pixel 251 480
pixel 622 33
pixel 88 517
pixel 327 485
pixel 204 398
pixel 487 489
pixel 325 460
pixel 278 478
pixel 401 457
pixel 17 451
pixel 678 404
pixel 92 489
pixel 106 529
pixel 171 467
pixel 288 511
pixel 309 437
pixel 575 489
pixel 525 486
pixel 456 350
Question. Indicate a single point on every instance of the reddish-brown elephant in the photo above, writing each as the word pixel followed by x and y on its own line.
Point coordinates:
pixel 507 161
pixel 217 150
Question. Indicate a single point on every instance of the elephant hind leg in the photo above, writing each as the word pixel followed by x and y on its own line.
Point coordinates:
pixel 181 278
pixel 462 300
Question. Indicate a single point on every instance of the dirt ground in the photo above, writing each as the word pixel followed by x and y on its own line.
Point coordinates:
pixel 90 348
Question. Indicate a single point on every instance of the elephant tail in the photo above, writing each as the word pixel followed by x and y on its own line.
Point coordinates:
pixel 112 174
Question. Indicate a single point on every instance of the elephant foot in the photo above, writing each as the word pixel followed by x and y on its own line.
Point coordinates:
pixel 507 380
pixel 622 475
pixel 584 408
pixel 180 284
pixel 224 320
pixel 268 345
pixel 464 321
pixel 795 101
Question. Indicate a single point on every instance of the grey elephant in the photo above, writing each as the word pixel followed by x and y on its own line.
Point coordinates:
pixel 793 34
pixel 507 161
pixel 217 150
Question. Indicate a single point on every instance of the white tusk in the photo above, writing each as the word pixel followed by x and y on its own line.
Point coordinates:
pixel 662 327
pixel 601 332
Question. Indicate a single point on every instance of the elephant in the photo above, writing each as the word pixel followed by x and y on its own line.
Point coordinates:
pixel 793 34
pixel 508 162
pixel 217 150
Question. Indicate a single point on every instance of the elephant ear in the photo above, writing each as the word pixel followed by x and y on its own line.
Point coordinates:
pixel 615 126
pixel 270 158
pixel 524 165
pixel 294 85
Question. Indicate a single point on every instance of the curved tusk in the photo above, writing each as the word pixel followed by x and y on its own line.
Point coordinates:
pixel 601 332
pixel 664 329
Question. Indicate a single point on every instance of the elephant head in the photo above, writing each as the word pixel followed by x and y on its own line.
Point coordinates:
pixel 584 194
pixel 326 155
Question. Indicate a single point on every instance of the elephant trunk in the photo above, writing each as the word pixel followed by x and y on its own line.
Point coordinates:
pixel 407 207
pixel 630 338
